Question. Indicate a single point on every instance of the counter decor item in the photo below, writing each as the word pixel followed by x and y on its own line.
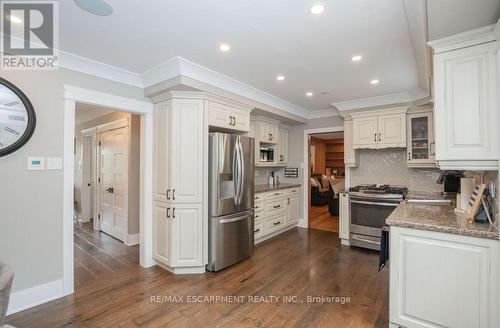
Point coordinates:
pixel 475 201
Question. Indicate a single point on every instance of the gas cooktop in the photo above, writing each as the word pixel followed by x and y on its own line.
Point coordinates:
pixel 380 189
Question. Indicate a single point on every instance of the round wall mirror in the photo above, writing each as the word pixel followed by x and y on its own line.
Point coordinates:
pixel 17 118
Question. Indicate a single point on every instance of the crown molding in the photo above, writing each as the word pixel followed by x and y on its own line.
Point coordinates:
pixel 322 113
pixel 465 39
pixel 394 99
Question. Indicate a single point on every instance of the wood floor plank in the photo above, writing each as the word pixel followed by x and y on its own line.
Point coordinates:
pixel 320 218
pixel 299 263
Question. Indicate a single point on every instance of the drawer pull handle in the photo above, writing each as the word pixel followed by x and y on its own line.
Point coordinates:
pixel 276 194
pixel 276 206
pixel 256 216
pixel 256 230
pixel 276 223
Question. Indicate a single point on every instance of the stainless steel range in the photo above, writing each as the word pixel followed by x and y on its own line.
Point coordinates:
pixel 370 205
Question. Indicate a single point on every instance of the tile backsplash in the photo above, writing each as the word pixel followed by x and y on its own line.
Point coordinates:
pixel 388 166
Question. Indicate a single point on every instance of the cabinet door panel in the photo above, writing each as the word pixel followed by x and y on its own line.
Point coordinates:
pixel 344 216
pixel 187 234
pixel 162 231
pixel 426 291
pixel 466 104
pixel 282 146
pixel 161 152
pixel 392 130
pixel 241 120
pixel 187 146
pixel 292 210
pixel 350 156
pixel 365 132
pixel 219 115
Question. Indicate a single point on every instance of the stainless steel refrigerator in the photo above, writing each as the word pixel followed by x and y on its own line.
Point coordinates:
pixel 231 199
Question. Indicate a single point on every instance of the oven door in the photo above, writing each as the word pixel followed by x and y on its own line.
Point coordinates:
pixel 368 215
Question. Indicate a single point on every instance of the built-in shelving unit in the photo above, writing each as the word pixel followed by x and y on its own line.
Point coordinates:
pixel 334 156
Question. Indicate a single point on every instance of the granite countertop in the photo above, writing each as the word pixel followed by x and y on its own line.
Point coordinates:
pixel 265 187
pixel 438 218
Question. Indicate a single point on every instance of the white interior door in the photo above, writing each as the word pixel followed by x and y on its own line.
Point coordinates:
pixel 114 182
pixel 87 182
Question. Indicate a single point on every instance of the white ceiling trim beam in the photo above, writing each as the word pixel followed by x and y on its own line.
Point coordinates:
pixel 322 113
pixel 374 102
pixel 480 35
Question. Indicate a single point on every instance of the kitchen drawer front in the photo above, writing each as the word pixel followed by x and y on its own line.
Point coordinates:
pixel 275 223
pixel 275 194
pixel 274 207
pixel 258 215
pixel 258 230
pixel 293 191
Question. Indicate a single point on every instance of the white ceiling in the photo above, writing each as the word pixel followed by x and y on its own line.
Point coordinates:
pixel 278 37
pixel 267 38
pixel 448 17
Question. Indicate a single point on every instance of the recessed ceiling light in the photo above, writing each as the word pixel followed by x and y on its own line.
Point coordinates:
pixel 280 78
pixel 224 47
pixel 317 8
pixel 15 19
pixel 309 94
pixel 356 58
pixel 374 81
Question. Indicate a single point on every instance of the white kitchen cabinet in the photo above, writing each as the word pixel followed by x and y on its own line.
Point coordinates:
pixel 377 129
pixel 187 239
pixel 275 212
pixel 392 131
pixel 351 156
pixel 270 140
pixel 178 235
pixel 344 220
pixel 365 132
pixel 442 280
pixel 180 133
pixel 282 146
pixel 179 148
pixel 466 104
pixel 292 209
pixel 420 136
pixel 228 117
pixel 268 132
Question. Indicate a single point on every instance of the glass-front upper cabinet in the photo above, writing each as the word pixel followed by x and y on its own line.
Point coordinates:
pixel 421 145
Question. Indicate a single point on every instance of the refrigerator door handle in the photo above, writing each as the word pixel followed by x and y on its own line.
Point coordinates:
pixel 241 171
pixel 235 174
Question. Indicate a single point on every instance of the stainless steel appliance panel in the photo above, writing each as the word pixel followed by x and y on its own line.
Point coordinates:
pixel 231 173
pixel 231 239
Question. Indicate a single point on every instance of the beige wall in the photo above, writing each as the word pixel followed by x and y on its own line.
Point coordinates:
pixel 134 164
pixel 31 201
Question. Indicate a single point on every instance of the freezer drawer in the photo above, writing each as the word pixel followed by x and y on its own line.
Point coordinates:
pixel 231 240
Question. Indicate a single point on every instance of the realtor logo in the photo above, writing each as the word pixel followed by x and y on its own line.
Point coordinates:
pixel 29 35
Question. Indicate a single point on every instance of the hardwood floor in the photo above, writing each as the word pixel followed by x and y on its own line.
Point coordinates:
pixel 98 254
pixel 320 218
pixel 300 262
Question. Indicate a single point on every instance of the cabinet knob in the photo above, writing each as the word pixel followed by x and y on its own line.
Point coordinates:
pixel 256 230
pixel 276 223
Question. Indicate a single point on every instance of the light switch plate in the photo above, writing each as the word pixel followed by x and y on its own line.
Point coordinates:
pixel 36 163
pixel 54 163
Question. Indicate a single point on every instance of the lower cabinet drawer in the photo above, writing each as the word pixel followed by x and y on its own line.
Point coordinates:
pixel 275 223
pixel 274 207
pixel 258 215
pixel 293 192
pixel 258 230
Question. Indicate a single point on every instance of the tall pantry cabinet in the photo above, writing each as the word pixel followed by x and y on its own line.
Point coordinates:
pixel 180 156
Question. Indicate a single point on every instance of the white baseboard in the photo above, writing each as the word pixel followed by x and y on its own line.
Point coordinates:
pixel 345 242
pixel 186 270
pixel 303 223
pixel 27 298
pixel 132 240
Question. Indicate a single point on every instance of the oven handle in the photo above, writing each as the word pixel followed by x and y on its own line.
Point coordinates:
pixel 365 240
pixel 373 203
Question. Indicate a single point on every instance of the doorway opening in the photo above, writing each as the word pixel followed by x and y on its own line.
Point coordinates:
pixel 107 173
pixel 326 172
